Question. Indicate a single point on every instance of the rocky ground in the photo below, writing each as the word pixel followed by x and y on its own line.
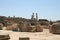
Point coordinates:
pixel 45 35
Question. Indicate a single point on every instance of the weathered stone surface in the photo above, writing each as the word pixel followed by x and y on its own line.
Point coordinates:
pixel 39 28
pixel 4 37
pixel 55 28
pixel 1 25
pixel 0 28
pixel 12 27
pixel 25 38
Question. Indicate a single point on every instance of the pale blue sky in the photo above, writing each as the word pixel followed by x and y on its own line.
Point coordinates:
pixel 46 9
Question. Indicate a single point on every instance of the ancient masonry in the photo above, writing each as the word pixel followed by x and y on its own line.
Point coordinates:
pixel 26 25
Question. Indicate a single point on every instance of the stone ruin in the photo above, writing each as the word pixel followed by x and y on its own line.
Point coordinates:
pixel 44 23
pixel 26 25
pixel 1 25
pixel 4 37
pixel 24 38
pixel 21 24
pixel 30 26
pixel 12 27
pixel 55 28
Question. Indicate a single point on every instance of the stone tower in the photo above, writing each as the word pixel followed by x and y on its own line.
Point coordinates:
pixel 36 16
pixel 32 17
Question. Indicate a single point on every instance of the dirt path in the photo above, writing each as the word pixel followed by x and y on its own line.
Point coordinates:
pixel 45 35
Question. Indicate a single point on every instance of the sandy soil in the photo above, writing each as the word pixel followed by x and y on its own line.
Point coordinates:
pixel 45 35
